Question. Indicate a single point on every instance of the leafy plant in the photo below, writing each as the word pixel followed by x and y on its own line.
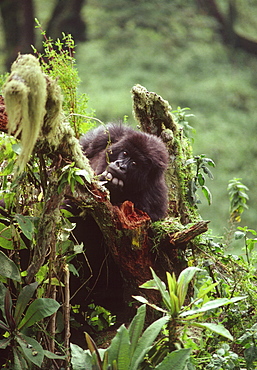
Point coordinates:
pixel 224 358
pixel 16 320
pixel 58 61
pixel 249 243
pixel 99 318
pixel 173 300
pixel 182 119
pixel 201 163
pixel 248 340
pixel 238 199
pixel 128 348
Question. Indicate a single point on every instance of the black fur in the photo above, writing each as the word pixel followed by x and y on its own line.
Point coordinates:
pixel 136 159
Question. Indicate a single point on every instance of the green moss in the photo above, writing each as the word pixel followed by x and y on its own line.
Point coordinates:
pixel 25 100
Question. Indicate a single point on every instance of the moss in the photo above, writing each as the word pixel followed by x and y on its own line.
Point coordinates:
pixel 25 99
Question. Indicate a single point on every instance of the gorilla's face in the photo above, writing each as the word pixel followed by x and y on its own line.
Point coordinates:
pixel 127 171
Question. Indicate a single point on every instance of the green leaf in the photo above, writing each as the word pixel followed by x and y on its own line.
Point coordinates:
pixel 172 282
pixel 53 356
pixel 136 327
pixel 80 359
pixel 6 240
pixel 26 225
pixel 119 349
pixel 23 299
pixel 2 295
pixel 149 284
pixel 146 341
pixel 19 362
pixel 8 268
pixel 215 328
pixel 162 289
pixel 212 305
pixel 201 179
pixel 84 174
pixel 239 235
pixel 176 360
pixel 38 310
pixel 207 194
pixel 4 326
pixel 209 161
pixel 184 279
pixel 145 301
pixel 208 172
pixel 4 342
pixel 31 349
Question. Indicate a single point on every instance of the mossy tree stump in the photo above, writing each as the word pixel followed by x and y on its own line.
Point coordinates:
pixel 134 242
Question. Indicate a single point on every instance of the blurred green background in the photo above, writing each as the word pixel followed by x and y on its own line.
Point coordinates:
pixel 200 54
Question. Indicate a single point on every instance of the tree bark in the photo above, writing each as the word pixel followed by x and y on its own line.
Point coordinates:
pixel 226 26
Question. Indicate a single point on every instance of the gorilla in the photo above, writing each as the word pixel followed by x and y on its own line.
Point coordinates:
pixel 132 164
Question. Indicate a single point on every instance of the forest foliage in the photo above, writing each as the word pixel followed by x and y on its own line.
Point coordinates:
pixel 216 328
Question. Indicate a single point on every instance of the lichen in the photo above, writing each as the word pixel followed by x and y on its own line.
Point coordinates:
pixel 25 99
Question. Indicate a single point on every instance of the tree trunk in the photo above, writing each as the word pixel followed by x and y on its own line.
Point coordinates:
pixel 226 22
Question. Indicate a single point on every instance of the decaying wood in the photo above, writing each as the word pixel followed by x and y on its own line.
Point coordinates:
pixel 182 238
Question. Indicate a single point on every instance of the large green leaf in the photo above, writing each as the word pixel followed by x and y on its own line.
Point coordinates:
pixel 184 279
pixel 31 349
pixel 119 349
pixel 8 268
pixel 212 305
pixel 146 341
pixel 216 328
pixel 23 299
pixel 26 225
pixel 80 359
pixel 136 327
pixel 39 309
pixel 175 360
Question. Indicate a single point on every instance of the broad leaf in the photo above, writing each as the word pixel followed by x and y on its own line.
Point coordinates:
pixel 32 350
pixel 80 359
pixel 23 299
pixel 216 328
pixel 212 305
pixel 119 349
pixel 175 360
pixel 38 310
pixel 146 341
pixel 26 225
pixel 8 268
pixel 184 279
pixel 207 194
pixel 135 329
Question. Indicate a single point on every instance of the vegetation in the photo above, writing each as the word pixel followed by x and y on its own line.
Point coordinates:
pixel 206 317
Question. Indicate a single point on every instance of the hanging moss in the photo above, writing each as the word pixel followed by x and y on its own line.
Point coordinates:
pixel 25 98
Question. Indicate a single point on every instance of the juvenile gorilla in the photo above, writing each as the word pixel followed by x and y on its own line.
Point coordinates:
pixel 133 163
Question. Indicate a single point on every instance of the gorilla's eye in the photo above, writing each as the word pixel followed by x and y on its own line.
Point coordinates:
pixel 125 153
pixel 134 163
